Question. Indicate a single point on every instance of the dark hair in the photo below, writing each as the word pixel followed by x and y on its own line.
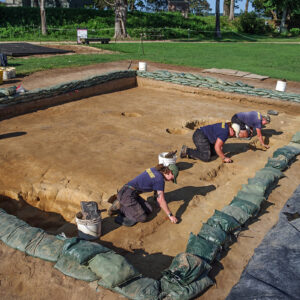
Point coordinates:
pixel 162 169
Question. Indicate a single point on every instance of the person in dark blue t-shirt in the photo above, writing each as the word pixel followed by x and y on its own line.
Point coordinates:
pixel 131 207
pixel 243 124
pixel 209 140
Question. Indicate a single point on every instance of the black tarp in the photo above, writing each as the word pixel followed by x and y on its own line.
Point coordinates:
pixel 274 270
pixel 25 49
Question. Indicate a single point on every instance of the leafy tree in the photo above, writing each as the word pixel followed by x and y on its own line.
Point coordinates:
pixel 277 9
pixel 120 7
pixel 199 7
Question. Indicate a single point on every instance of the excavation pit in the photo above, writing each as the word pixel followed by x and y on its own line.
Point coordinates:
pixel 87 149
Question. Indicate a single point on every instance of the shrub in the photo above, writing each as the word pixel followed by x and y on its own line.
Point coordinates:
pixel 295 31
pixel 250 23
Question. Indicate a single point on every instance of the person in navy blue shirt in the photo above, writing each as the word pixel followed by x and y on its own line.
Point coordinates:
pixel 243 124
pixel 209 140
pixel 132 208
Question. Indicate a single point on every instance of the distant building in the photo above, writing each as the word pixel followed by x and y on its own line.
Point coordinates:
pixel 181 6
pixel 50 3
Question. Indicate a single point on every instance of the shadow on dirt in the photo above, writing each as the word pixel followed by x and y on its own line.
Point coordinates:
pixel 12 134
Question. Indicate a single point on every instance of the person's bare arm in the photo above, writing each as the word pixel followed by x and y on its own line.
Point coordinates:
pixel 219 150
pixel 258 131
pixel 164 206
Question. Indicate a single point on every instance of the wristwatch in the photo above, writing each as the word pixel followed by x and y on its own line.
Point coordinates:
pixel 170 215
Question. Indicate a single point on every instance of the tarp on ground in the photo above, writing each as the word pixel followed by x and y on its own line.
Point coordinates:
pixel 274 270
pixel 25 49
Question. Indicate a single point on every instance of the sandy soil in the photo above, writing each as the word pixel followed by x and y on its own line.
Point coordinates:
pixel 84 150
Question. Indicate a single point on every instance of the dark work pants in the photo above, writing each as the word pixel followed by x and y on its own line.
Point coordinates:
pixel 204 149
pixel 236 120
pixel 133 206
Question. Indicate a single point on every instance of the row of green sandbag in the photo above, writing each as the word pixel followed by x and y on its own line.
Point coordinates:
pixel 75 257
pixel 184 279
pixel 283 156
pixel 187 276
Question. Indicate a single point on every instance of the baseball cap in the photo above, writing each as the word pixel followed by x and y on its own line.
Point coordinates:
pixel 175 171
pixel 267 117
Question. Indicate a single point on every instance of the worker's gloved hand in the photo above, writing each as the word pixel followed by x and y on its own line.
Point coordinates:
pixel 227 160
pixel 173 219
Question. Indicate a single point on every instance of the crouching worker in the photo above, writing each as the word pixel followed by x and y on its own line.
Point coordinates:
pixel 243 124
pixel 131 207
pixel 209 140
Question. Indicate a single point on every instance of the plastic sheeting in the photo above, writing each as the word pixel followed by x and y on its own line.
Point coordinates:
pixel 274 270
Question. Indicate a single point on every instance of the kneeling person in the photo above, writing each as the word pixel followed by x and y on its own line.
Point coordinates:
pixel 209 140
pixel 132 207
pixel 244 122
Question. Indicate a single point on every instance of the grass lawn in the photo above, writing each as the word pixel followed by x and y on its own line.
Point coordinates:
pixel 274 60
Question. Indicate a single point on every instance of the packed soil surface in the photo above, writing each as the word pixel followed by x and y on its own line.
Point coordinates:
pixel 85 150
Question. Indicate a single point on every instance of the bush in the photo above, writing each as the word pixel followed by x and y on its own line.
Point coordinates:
pixel 295 31
pixel 250 23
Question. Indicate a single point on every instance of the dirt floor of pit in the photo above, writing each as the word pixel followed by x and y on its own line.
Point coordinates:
pixel 86 149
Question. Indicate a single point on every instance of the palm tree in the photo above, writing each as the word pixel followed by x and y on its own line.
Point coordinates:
pixel 231 15
pixel 218 30
pixel 43 17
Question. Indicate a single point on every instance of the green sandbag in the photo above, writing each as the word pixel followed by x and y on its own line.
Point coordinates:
pixel 269 172
pixel 113 268
pixel 82 250
pixel 21 236
pixel 250 208
pixel 9 223
pixel 226 222
pixel 263 183
pixel 201 247
pixel 189 291
pixel 253 189
pixel 137 289
pixel 294 149
pixel 236 212
pixel 294 145
pixel 288 153
pixel 45 246
pixel 253 198
pixel 70 267
pixel 8 91
pixel 186 268
pixel 280 162
pixel 213 234
pixel 296 138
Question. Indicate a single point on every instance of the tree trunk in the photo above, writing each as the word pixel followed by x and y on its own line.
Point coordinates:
pixel 43 17
pixel 283 19
pixel 217 30
pixel 246 6
pixel 226 8
pixel 231 15
pixel 120 19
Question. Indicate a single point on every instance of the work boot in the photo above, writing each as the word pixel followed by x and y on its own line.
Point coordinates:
pixel 114 208
pixel 183 151
pixel 122 220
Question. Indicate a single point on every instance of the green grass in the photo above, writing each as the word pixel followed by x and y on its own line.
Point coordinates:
pixel 274 60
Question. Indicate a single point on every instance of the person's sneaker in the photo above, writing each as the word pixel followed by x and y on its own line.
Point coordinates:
pixel 183 151
pixel 114 208
pixel 122 220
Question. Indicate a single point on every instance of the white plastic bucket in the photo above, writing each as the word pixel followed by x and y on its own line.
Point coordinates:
pixel 281 86
pixel 142 66
pixel 166 161
pixel 89 229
